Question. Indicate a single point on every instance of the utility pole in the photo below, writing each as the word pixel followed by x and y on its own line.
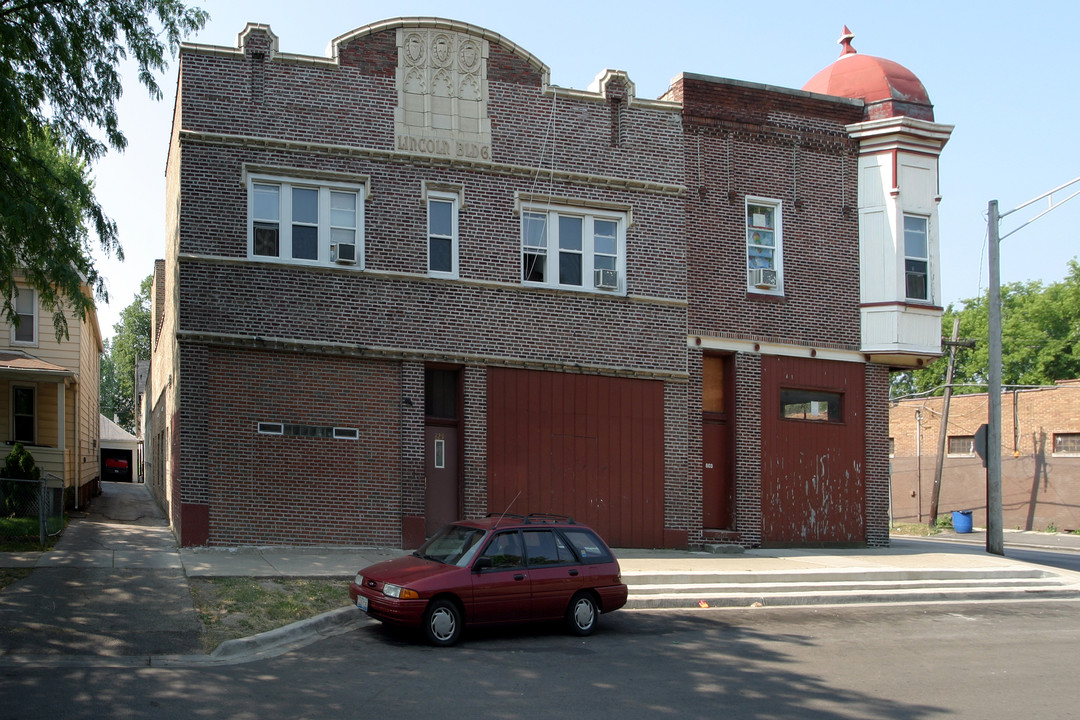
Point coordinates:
pixel 943 431
pixel 995 541
pixel 994 535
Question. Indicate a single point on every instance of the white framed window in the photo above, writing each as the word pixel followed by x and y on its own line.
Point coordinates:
pixel 916 257
pixel 1067 443
pixel 442 234
pixel 24 414
pixel 569 248
pixel 961 446
pixel 764 246
pixel 26 308
pixel 305 222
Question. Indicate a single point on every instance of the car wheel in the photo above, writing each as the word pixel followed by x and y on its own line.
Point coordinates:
pixel 442 623
pixel 582 614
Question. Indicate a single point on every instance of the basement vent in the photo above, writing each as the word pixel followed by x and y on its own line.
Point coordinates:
pixel 309 431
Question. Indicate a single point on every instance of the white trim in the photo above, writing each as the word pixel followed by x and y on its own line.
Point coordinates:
pixel 270 428
pixel 344 433
pixel 758 347
pixel 588 215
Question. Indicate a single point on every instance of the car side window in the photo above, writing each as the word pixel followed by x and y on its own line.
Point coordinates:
pixel 588 546
pixel 544 547
pixel 505 551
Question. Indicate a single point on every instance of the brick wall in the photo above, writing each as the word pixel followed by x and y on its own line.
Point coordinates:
pixel 1040 489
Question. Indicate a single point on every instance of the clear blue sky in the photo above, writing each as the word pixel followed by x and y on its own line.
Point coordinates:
pixel 1002 72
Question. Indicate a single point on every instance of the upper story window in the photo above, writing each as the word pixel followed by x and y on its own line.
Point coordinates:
pixel 442 234
pixel 26 309
pixel 916 258
pixel 573 249
pixel 306 223
pixel 764 246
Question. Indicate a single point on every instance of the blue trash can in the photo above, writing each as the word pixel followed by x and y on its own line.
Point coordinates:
pixel 961 521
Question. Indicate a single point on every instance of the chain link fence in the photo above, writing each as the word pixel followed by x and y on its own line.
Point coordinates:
pixel 31 510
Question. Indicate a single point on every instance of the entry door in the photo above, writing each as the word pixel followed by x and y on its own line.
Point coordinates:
pixel 718 445
pixel 441 501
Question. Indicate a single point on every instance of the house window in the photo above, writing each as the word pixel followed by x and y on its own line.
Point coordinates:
pixel 764 246
pixel 305 223
pixel 892 447
pixel 816 405
pixel 572 249
pixel 26 309
pixel 916 258
pixel 1067 443
pixel 961 445
pixel 442 234
pixel 24 414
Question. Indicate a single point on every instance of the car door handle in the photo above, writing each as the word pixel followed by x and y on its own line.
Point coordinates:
pixel 573 573
pixel 519 576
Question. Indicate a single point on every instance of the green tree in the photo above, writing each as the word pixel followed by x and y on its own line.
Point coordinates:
pixel 1040 338
pixel 130 343
pixel 59 83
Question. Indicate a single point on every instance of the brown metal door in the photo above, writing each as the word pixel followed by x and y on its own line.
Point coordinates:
pixel 813 465
pixel 441 498
pixel 718 444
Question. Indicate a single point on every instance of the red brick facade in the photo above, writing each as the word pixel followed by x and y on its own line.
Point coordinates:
pixel 247 345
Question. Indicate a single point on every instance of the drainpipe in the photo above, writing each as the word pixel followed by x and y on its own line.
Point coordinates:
pixel 918 457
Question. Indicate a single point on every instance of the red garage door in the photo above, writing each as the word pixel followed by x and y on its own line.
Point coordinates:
pixel 582 445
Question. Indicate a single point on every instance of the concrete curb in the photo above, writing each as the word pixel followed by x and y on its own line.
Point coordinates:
pixel 292 636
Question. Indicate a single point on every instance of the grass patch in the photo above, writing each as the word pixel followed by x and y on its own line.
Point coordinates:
pixel 231 607
pixel 22 534
pixel 916 529
pixel 10 575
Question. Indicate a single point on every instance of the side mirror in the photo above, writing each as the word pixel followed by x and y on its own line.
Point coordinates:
pixel 482 564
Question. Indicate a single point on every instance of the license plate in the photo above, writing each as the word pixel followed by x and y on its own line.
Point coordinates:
pixel 362 602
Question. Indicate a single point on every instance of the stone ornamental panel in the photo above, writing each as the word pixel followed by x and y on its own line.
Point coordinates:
pixel 442 95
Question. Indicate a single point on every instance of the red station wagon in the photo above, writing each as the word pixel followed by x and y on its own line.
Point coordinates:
pixel 499 569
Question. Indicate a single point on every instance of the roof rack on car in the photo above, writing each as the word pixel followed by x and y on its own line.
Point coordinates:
pixel 506 515
pixel 549 517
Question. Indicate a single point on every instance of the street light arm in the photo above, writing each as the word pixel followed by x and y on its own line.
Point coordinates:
pixel 1053 206
pixel 1044 195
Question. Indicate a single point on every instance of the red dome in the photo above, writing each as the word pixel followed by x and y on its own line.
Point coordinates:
pixel 888 88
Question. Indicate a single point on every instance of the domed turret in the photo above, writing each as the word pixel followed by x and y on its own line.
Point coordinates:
pixel 888 88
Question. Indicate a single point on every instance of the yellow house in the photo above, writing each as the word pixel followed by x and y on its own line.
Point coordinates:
pixel 49 393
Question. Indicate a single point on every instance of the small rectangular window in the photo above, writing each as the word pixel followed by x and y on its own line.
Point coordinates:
pixel 916 258
pixel 26 310
pixel 892 447
pixel 24 413
pixel 764 246
pixel 1067 443
pixel 816 405
pixel 341 433
pixel 271 428
pixel 961 445
pixel 442 236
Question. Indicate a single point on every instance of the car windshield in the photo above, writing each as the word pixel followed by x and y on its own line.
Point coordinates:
pixel 451 545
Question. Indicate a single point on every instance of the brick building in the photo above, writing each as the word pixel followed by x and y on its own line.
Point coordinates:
pixel 1040 457
pixel 414 281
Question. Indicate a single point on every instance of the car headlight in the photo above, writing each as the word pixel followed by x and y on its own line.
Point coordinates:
pixel 359 579
pixel 396 591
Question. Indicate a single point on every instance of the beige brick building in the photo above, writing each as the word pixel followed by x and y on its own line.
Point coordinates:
pixel 1040 457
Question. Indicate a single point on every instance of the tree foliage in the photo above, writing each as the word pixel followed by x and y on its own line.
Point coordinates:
pixel 1040 339
pixel 59 84
pixel 130 344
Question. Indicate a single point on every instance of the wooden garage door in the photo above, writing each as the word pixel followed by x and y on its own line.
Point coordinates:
pixel 582 445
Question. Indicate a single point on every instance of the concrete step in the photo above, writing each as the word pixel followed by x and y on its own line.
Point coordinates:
pixel 651 590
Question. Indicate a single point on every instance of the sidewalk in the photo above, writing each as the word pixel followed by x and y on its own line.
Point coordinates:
pixel 116 585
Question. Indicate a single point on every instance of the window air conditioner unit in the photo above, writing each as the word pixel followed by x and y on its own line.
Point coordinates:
pixel 605 279
pixel 345 254
pixel 763 278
